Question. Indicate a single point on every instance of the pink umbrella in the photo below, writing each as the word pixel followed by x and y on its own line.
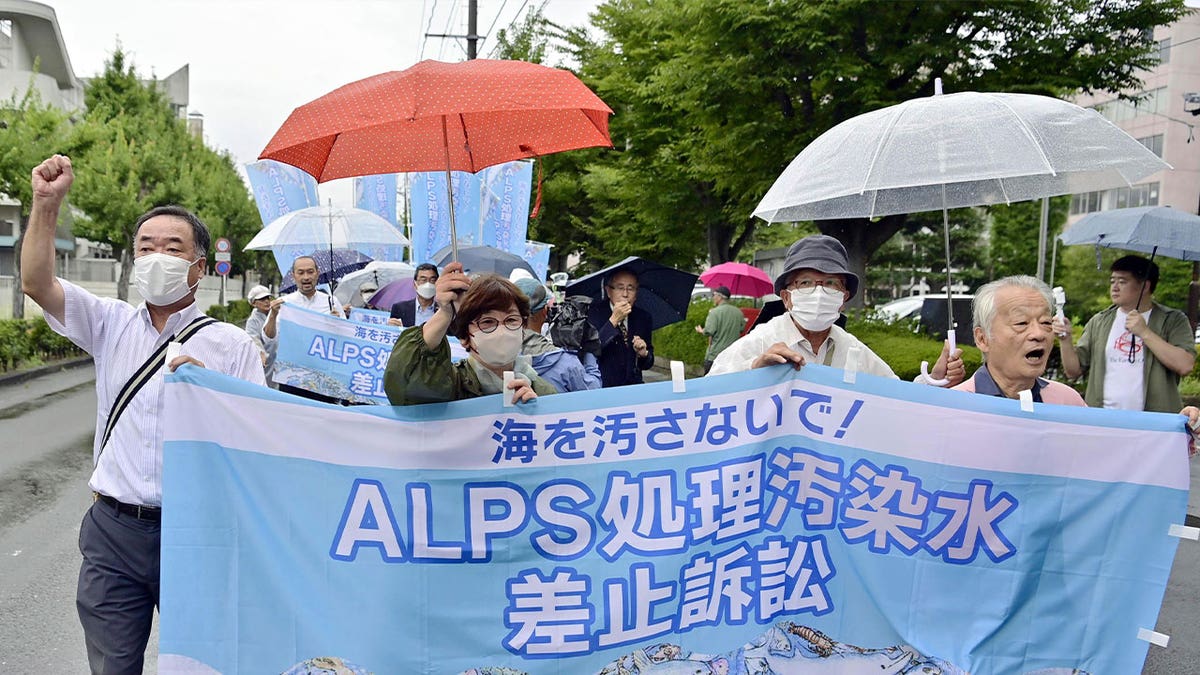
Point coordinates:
pixel 740 278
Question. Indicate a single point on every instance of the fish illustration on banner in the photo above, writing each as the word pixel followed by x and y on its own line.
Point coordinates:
pixel 772 522
pixel 280 188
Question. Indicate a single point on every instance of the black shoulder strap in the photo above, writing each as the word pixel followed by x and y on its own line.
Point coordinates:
pixel 144 372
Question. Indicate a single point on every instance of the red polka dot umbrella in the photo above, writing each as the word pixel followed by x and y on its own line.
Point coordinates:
pixel 434 116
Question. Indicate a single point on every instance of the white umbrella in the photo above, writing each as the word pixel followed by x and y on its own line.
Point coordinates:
pixel 955 150
pixel 318 226
pixel 328 227
pixel 378 272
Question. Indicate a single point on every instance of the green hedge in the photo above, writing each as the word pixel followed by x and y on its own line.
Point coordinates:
pixel 680 341
pixel 25 343
pixel 235 312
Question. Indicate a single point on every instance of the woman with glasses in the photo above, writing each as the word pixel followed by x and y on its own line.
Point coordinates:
pixel 487 316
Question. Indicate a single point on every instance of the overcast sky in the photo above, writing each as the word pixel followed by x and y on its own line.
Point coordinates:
pixel 253 61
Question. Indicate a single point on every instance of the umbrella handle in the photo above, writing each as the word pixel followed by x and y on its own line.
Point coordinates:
pixel 929 379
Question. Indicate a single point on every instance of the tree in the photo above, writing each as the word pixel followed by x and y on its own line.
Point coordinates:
pixel 32 131
pixel 129 152
pixel 715 97
pixel 1014 235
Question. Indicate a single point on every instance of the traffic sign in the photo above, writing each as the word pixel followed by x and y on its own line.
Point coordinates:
pixel 223 245
pixel 223 267
pixel 224 256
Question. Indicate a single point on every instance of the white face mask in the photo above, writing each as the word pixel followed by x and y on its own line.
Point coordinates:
pixel 498 348
pixel 427 290
pixel 817 308
pixel 366 295
pixel 162 279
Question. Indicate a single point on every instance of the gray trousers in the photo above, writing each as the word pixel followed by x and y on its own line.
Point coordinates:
pixel 118 588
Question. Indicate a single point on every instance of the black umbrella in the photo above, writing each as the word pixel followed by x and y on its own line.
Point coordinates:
pixel 333 264
pixel 483 260
pixel 664 292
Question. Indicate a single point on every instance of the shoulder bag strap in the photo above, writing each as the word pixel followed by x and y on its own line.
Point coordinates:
pixel 143 374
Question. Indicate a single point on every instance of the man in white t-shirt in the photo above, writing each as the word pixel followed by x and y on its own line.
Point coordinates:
pixel 1133 359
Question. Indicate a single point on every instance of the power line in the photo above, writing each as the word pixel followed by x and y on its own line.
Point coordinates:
pixel 446 31
pixel 425 37
pixel 517 16
pixel 496 18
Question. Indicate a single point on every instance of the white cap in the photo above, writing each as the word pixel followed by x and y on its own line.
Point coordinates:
pixel 257 293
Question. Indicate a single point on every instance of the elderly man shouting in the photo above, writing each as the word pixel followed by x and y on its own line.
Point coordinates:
pixel 815 284
pixel 1013 320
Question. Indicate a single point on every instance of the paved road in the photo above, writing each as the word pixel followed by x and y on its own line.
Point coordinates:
pixel 46 427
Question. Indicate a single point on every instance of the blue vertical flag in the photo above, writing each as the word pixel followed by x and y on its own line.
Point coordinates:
pixel 504 205
pixel 377 194
pixel 537 255
pixel 431 215
pixel 280 188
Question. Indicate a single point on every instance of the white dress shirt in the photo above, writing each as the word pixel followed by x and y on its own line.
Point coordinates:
pixel 834 350
pixel 319 302
pixel 120 337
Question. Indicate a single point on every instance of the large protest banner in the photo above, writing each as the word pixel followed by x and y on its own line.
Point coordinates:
pixel 760 522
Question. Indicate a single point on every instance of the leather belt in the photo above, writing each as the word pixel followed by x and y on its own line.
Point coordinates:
pixel 136 510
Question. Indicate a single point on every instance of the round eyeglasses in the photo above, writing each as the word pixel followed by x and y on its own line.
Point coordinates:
pixel 488 324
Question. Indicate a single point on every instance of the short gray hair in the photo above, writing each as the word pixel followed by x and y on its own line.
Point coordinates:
pixel 984 305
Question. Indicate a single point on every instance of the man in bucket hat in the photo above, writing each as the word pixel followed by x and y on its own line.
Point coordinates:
pixel 815 285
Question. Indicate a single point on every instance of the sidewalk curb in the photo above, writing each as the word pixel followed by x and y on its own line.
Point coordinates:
pixel 58 366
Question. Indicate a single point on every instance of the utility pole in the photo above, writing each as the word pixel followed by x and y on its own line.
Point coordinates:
pixel 472 35
pixel 472 28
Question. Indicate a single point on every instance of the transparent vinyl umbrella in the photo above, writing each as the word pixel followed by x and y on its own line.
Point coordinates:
pixel 951 151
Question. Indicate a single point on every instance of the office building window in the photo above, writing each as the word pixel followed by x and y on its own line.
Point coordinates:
pixel 1149 103
pixel 1086 202
pixel 1164 50
pixel 1144 194
pixel 1153 143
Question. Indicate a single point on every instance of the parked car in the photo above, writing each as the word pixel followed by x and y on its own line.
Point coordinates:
pixel 929 314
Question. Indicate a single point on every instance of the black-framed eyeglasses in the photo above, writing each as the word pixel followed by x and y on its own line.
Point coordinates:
pixel 488 324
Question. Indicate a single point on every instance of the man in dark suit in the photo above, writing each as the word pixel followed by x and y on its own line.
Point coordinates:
pixel 625 347
pixel 416 311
